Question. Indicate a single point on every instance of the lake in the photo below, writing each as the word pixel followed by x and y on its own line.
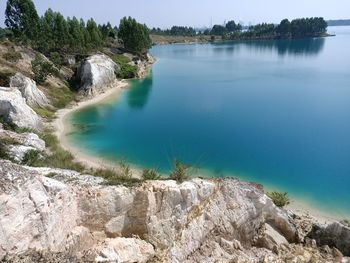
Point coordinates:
pixel 273 112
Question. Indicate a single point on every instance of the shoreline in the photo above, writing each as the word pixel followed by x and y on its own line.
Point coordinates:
pixel 62 128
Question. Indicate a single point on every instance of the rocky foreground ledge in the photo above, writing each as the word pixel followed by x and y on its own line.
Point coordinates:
pixel 54 215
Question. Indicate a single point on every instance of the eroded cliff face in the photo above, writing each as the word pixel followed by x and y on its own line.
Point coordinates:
pixel 71 215
pixel 97 73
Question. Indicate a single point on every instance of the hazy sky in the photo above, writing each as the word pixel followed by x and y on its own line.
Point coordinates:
pixel 164 13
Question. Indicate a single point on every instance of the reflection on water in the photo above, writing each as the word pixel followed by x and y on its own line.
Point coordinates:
pixel 137 97
pixel 291 47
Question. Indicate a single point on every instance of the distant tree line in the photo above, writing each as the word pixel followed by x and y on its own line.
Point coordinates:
pixel 297 28
pixel 303 27
pixel 339 22
pixel 175 31
pixel 54 33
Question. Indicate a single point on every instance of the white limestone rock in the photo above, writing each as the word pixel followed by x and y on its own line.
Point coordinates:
pixel 196 221
pixel 124 250
pixel 14 109
pixel 26 139
pixel 35 212
pixel 29 90
pixel 17 152
pixel 68 176
pixel 97 74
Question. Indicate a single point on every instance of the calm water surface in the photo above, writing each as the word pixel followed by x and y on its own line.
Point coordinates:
pixel 274 112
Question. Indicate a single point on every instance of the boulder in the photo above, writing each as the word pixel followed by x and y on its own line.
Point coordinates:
pixel 29 90
pixel 97 74
pixel 14 109
pixel 334 235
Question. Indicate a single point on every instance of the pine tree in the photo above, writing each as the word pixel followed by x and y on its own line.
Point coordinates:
pixel 21 17
pixel 94 33
pixel 134 35
pixel 77 41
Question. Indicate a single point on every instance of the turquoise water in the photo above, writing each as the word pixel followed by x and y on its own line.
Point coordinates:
pixel 273 112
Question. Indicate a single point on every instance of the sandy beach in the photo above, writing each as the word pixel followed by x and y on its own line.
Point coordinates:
pixel 62 127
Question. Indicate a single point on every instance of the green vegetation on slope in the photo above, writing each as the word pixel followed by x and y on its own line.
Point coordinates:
pixel 126 71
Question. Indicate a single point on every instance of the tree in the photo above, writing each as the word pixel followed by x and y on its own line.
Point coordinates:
pixel 76 32
pixel 95 39
pixel 218 30
pixel 46 41
pixel 283 29
pixel 61 33
pixel 21 17
pixel 134 35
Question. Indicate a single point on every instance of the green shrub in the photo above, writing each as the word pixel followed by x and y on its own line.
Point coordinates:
pixel 5 78
pixel 125 169
pixel 56 59
pixel 42 69
pixel 180 172
pixel 51 175
pixel 279 199
pixel 60 96
pixel 12 56
pixel 121 59
pixel 23 130
pixel 150 174
pixel 31 158
pixel 127 71
pixel 3 151
pixel 45 113
pixel 58 157
pixel 117 176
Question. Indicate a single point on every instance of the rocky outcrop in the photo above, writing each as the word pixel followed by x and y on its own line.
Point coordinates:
pixel 29 90
pixel 333 235
pixel 18 144
pixel 26 139
pixel 143 64
pixel 162 221
pixel 14 109
pixel 97 73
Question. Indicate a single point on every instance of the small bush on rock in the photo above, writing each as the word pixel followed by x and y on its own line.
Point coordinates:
pixel 31 158
pixel 180 171
pixel 279 199
pixel 3 152
pixel 117 176
pixel 150 174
